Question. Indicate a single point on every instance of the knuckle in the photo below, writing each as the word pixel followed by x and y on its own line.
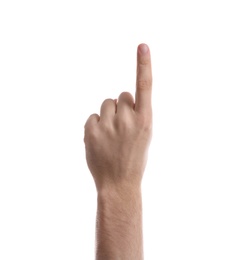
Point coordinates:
pixel 91 118
pixel 144 83
pixel 106 101
pixel 106 104
pixel 143 62
pixel 125 95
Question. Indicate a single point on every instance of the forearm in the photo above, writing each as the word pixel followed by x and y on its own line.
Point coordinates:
pixel 119 225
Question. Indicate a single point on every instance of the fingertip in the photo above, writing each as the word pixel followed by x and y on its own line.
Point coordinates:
pixel 143 48
pixel 143 54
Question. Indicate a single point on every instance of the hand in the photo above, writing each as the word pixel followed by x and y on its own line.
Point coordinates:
pixel 117 141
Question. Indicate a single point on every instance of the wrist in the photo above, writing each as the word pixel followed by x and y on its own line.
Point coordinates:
pixel 120 202
pixel 119 192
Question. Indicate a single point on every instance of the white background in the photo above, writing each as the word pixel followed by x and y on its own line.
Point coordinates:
pixel 58 61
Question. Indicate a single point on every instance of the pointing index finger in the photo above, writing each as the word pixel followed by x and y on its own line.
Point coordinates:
pixel 143 79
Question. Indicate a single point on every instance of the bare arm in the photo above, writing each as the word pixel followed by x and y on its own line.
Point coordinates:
pixel 119 225
pixel 117 144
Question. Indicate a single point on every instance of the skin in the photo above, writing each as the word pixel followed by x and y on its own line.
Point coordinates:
pixel 117 145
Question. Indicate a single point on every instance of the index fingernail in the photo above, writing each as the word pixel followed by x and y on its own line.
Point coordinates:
pixel 143 48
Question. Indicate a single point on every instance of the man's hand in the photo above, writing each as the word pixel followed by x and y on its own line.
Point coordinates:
pixel 117 141
pixel 117 144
